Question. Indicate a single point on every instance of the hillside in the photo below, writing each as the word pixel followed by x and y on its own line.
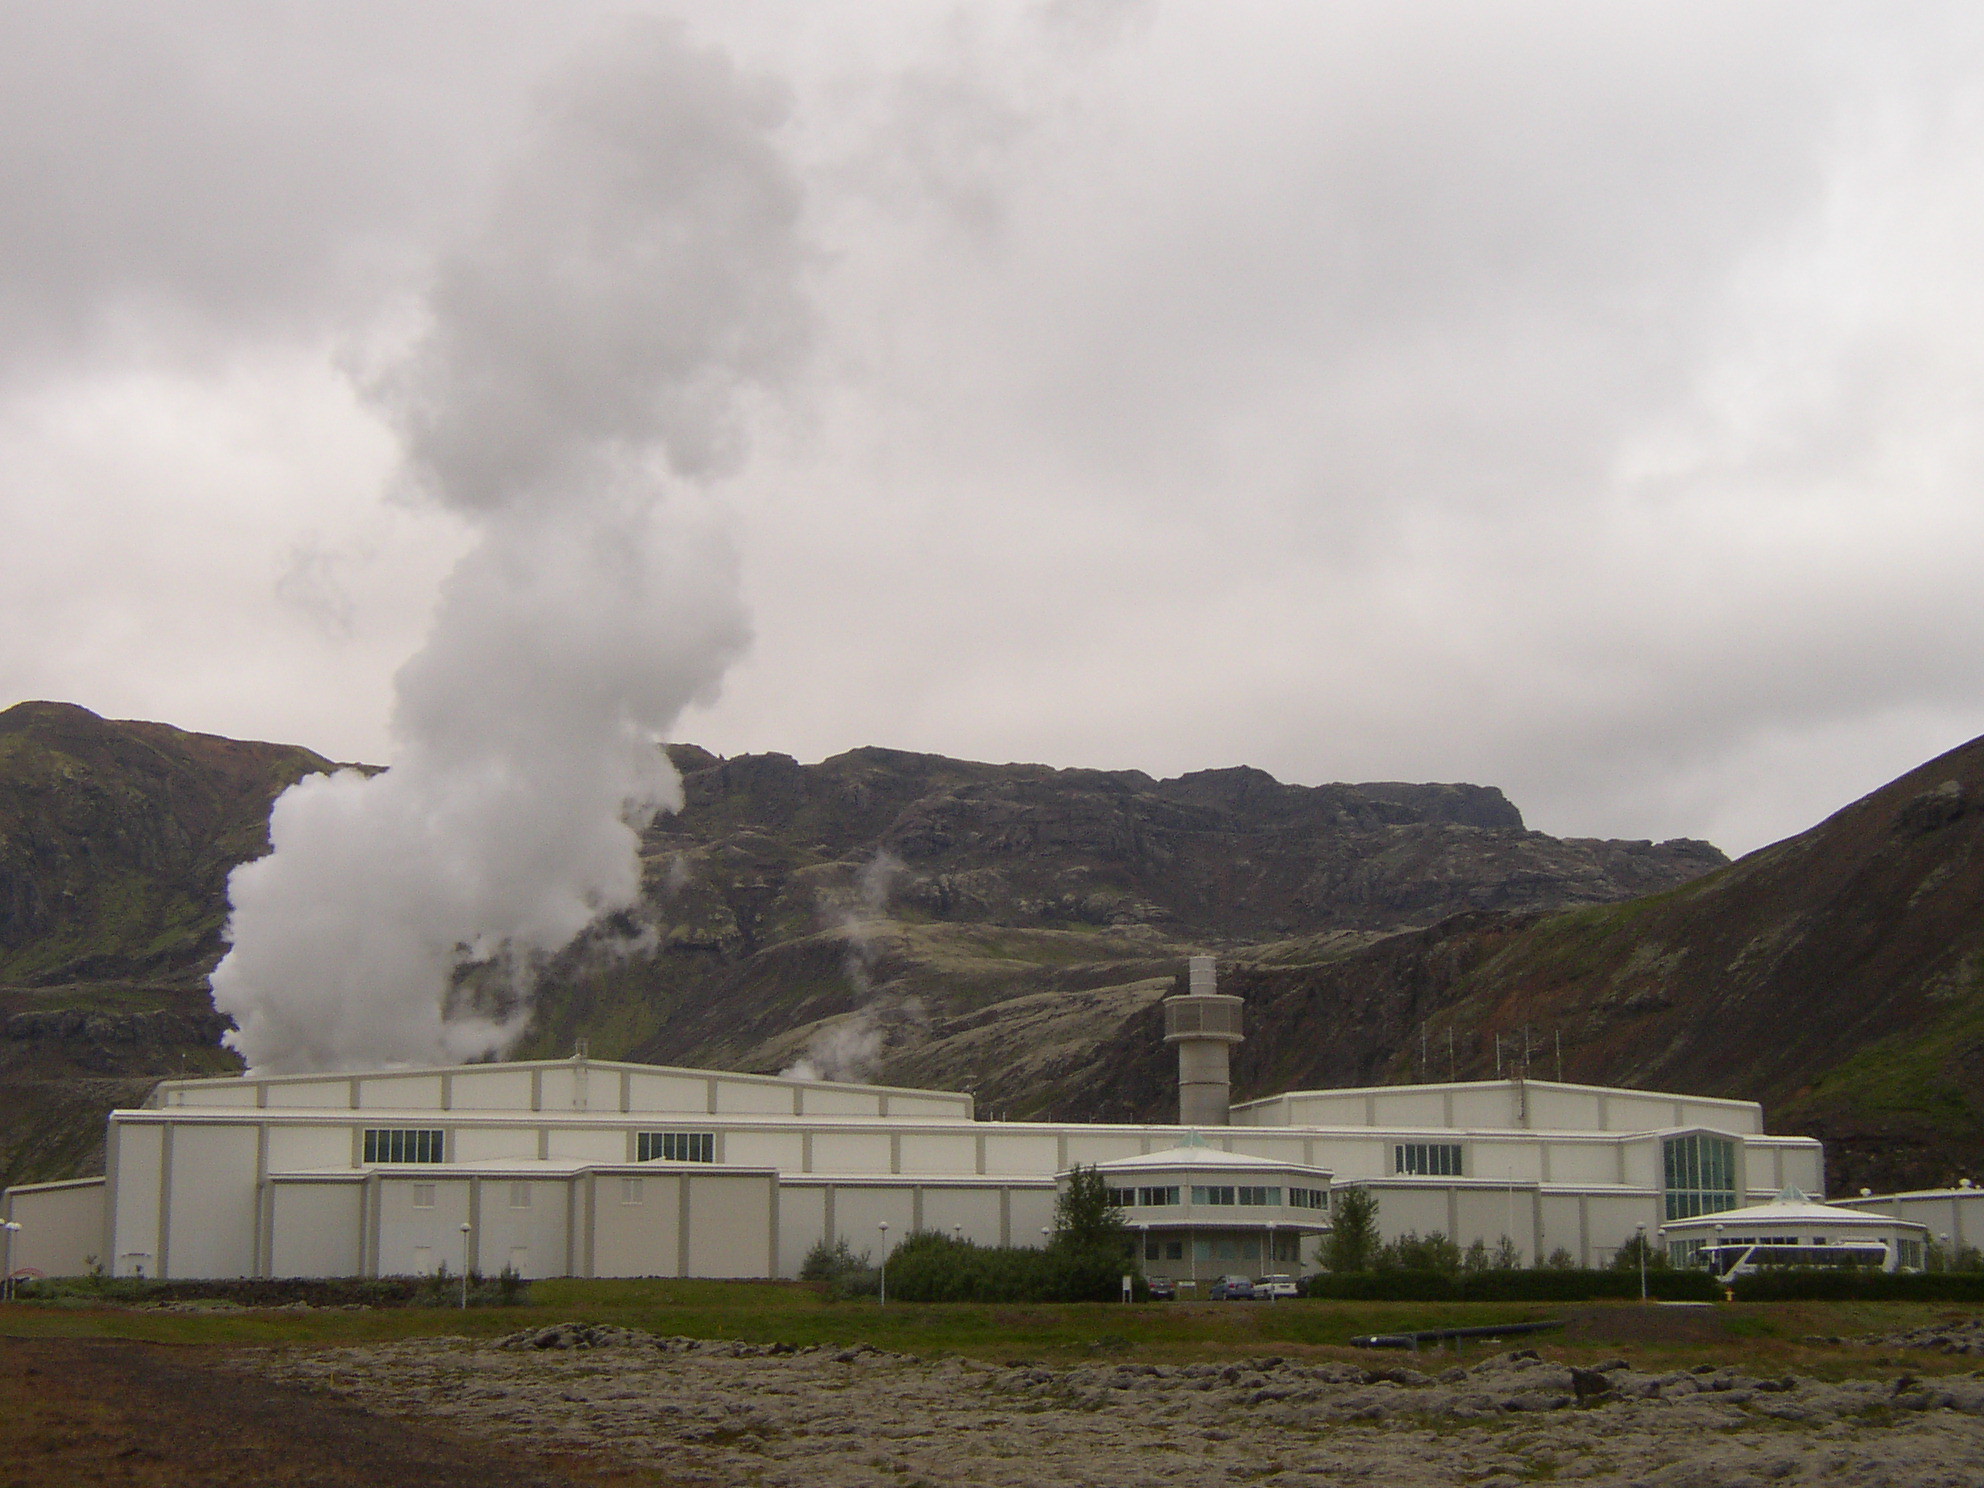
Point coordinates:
pixel 926 919
pixel 986 927
pixel 1837 976
pixel 115 844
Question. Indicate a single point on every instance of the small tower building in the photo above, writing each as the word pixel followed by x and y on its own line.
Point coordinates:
pixel 1203 1022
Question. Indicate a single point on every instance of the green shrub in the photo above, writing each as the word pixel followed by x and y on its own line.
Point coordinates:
pixel 929 1267
pixel 1829 1284
pixel 1510 1285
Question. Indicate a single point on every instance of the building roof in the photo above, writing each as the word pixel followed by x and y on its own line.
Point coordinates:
pixel 1195 1153
pixel 1791 1207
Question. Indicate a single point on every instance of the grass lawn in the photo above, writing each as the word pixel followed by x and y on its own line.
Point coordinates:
pixel 1761 1337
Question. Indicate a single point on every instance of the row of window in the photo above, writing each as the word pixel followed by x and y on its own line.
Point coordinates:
pixel 1437 1159
pixel 1700 1173
pixel 385 1144
pixel 398 1145
pixel 675 1147
pixel 1221 1194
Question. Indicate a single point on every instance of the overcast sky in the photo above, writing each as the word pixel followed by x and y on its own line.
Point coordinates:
pixel 1581 399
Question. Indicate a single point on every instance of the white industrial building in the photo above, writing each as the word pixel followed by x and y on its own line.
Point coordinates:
pixel 592 1168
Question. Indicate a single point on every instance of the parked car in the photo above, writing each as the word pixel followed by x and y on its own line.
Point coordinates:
pixel 1274 1287
pixel 1162 1288
pixel 1233 1289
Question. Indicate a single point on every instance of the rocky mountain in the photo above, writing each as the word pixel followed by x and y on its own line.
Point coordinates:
pixel 922 919
pixel 929 920
pixel 115 844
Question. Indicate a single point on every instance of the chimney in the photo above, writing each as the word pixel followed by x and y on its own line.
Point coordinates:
pixel 1202 1023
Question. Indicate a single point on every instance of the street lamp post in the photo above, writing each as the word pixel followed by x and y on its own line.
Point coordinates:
pixel 12 1229
pixel 884 1228
pixel 1642 1229
pixel 464 1265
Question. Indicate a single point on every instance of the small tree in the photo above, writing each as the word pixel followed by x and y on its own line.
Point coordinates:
pixel 834 1263
pixel 1559 1259
pixel 1627 1257
pixel 1476 1258
pixel 1353 1239
pixel 1412 1251
pixel 1507 1256
pixel 1084 1217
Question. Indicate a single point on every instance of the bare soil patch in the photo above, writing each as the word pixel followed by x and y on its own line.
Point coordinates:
pixel 77 1411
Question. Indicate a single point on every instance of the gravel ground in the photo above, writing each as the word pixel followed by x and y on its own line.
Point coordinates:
pixel 736 1413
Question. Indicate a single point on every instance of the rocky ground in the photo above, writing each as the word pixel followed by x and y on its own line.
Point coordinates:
pixel 735 1413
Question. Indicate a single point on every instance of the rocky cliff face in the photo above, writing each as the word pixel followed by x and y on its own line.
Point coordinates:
pixel 935 921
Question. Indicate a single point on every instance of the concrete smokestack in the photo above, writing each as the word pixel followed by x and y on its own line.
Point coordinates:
pixel 1202 1023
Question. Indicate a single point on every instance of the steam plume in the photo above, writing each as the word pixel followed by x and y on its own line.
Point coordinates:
pixel 586 358
pixel 850 1047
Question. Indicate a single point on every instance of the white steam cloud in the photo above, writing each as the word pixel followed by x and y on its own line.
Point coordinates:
pixel 587 357
pixel 851 1047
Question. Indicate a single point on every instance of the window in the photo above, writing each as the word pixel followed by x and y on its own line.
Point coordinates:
pixel 1434 1159
pixel 1163 1250
pixel 1701 1175
pixel 1260 1197
pixel 675 1146
pixel 1203 1195
pixel 1157 1198
pixel 1122 1198
pixel 630 1190
pixel 394 1145
pixel 1909 1254
pixel 423 1196
pixel 1682 1254
pixel 1308 1198
pixel 520 1196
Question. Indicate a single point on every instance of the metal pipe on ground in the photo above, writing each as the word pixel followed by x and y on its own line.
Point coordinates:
pixel 1440 1335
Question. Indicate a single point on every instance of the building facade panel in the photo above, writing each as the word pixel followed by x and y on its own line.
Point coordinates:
pixel 861 1209
pixel 493 1142
pixel 637 1225
pixel 1582 1162
pixel 802 1224
pixel 137 1164
pixel 593 1144
pixel 1017 1154
pixel 489 1088
pixel 743 1098
pixel 293 1147
pixel 417 1224
pixel 61 1227
pixel 668 1092
pixel 824 1100
pixel 730 1224
pixel 212 1201
pixel 522 1223
pixel 784 1150
pixel 970 1213
pixel 851 1152
pixel 316 1228
pixel 937 1152
pixel 400 1093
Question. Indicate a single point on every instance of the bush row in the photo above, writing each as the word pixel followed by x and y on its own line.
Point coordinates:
pixel 930 1267
pixel 442 1290
pixel 1510 1286
pixel 1796 1284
